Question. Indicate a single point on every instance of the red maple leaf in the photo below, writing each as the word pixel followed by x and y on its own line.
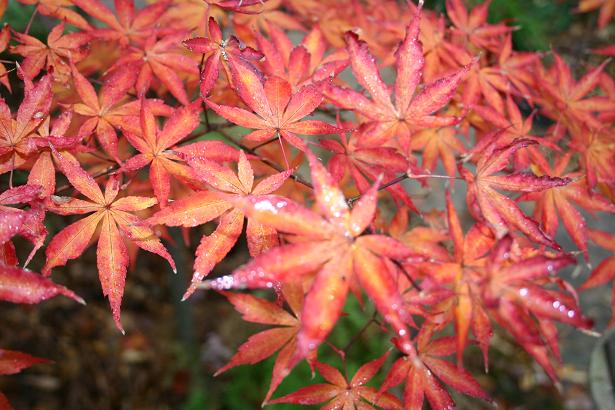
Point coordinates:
pixel 511 125
pixel 43 172
pixel 515 294
pixel 424 374
pixel 116 221
pixel 282 338
pixel 56 54
pixel 331 244
pixel 129 26
pixel 155 147
pixel 61 10
pixel 109 110
pixel 339 393
pixel 499 211
pixel 464 271
pixel 160 58
pixel 27 223
pixel 438 142
pixel 218 51
pixel 473 26
pixel 5 36
pixel 595 147
pixel 16 146
pixel 571 102
pixel 302 64
pixel 560 200
pixel 409 112
pixel 366 163
pixel 277 110
pixel 203 206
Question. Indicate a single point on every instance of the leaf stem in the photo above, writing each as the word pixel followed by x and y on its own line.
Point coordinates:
pixel 99 174
pixel 262 144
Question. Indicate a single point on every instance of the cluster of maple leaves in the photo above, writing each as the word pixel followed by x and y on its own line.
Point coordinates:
pixel 128 99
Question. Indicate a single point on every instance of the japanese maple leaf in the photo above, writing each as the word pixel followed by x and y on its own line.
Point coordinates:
pixel 43 171
pixel 62 10
pixel 339 393
pixel 331 244
pixel 12 362
pixel 409 112
pixel 483 84
pixel 116 221
pixel 24 222
pixel 366 163
pixel 108 111
pixel 203 206
pixel 218 51
pixel 129 26
pixel 434 39
pixel 464 270
pixel 302 64
pixel 188 15
pixel 159 58
pixel 424 374
pixel 499 211
pixel 511 125
pixel 282 338
pixel 155 145
pixel 560 201
pixel 57 53
pixel 607 9
pixel 473 26
pixel 515 67
pixel 438 142
pixel 596 148
pixel 380 24
pixel 605 271
pixel 277 110
pixel 568 101
pixel 15 132
pixel 515 295
pixel 262 17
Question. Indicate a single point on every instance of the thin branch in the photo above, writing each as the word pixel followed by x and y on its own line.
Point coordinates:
pixel 401 178
pixel 265 161
pixel 99 174
pixel 360 332
pixel 407 275
pixel 27 31
pixel 262 144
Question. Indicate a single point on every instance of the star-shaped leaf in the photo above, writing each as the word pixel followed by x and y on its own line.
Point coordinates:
pixel 277 110
pixel 117 223
pixel 203 206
